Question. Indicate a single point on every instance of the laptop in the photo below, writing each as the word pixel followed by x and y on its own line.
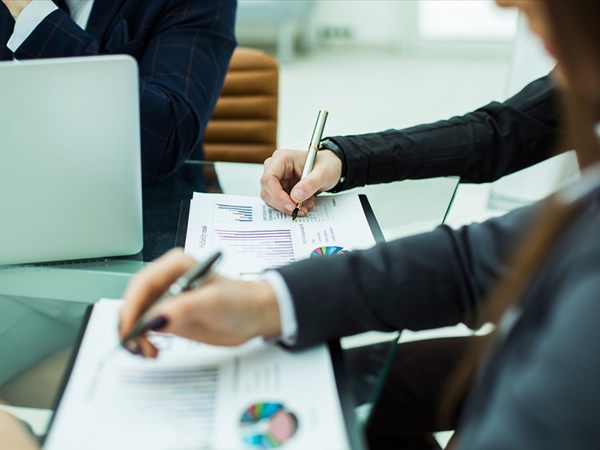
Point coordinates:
pixel 70 163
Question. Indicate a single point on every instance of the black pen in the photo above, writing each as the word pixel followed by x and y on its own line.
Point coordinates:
pixel 192 279
pixel 313 148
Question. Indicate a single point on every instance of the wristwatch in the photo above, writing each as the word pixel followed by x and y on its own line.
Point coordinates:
pixel 328 144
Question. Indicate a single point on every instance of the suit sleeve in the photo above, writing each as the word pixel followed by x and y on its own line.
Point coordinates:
pixel 182 70
pixel 481 146
pixel 420 282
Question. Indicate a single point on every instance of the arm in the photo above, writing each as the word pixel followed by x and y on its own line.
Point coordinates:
pixel 183 49
pixel 421 282
pixel 431 280
pixel 481 146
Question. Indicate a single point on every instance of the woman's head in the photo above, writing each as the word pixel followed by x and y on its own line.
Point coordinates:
pixel 569 31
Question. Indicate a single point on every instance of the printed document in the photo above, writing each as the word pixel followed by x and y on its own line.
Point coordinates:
pixel 195 396
pixel 254 237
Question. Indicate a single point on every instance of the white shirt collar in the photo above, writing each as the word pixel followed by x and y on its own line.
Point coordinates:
pixel 80 11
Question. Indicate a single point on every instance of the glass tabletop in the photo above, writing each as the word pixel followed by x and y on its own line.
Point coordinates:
pixel 42 306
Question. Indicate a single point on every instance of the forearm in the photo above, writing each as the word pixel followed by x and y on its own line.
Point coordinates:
pixel 481 146
pixel 421 282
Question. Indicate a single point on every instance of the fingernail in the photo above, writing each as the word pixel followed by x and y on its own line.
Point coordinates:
pixel 289 207
pixel 298 193
pixel 157 323
pixel 133 348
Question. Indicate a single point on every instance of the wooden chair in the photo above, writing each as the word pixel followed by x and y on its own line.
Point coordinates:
pixel 243 127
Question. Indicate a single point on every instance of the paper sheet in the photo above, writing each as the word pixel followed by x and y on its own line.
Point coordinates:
pixel 195 396
pixel 254 237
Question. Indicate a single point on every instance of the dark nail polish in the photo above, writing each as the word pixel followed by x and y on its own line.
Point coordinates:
pixel 157 323
pixel 133 348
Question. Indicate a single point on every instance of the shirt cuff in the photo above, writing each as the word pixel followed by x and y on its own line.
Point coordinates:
pixel 31 16
pixel 289 323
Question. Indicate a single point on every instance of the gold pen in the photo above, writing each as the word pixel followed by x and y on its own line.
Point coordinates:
pixel 313 148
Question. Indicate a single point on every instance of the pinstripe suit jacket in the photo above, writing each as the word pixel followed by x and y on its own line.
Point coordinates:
pixel 183 49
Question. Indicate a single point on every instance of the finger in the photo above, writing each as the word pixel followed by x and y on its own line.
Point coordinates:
pixel 204 315
pixel 186 313
pixel 307 187
pixel 275 196
pixel 147 348
pixel 149 284
pixel 303 211
pixel 309 204
pixel 281 173
pixel 324 176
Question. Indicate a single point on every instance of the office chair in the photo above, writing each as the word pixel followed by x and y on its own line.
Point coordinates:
pixel 243 127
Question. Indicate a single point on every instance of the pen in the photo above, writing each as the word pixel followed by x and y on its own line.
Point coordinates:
pixel 192 279
pixel 313 148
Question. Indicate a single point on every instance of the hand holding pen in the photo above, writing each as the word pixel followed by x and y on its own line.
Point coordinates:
pixel 311 155
pixel 150 320
pixel 220 312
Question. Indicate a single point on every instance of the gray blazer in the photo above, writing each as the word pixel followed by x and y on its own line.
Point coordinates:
pixel 539 388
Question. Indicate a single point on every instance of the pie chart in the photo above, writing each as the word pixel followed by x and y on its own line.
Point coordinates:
pixel 267 425
pixel 327 250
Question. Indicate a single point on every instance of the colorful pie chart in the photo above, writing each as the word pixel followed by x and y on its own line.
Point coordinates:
pixel 326 250
pixel 267 425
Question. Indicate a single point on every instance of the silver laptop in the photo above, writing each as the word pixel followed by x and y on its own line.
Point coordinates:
pixel 70 169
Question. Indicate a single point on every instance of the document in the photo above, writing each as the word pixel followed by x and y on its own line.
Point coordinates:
pixel 195 396
pixel 254 237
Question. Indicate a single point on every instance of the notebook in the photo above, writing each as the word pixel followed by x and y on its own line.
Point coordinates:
pixel 70 166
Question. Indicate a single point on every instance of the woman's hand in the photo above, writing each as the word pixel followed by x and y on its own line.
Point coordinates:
pixel 221 312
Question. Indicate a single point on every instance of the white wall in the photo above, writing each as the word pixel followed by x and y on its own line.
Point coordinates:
pixel 397 24
pixel 372 22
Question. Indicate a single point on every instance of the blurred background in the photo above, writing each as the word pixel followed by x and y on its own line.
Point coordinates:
pixel 392 64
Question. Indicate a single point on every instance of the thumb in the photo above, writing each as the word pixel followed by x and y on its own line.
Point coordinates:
pixel 307 187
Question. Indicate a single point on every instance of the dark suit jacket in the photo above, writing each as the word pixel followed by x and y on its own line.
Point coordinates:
pixel 540 386
pixel 183 48
pixel 481 146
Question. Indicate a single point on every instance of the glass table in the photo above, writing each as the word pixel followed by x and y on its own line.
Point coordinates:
pixel 42 306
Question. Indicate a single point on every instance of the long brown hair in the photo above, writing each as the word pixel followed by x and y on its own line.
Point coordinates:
pixel 577 40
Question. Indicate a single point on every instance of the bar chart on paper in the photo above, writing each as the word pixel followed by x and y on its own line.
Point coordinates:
pixel 253 251
pixel 195 396
pixel 237 213
pixel 254 237
pixel 183 397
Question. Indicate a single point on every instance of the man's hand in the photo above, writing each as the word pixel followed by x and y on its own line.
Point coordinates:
pixel 222 312
pixel 15 7
pixel 281 187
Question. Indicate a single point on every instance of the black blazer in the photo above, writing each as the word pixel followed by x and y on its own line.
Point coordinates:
pixel 481 146
pixel 183 48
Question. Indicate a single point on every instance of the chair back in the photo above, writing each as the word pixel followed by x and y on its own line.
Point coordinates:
pixel 243 127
